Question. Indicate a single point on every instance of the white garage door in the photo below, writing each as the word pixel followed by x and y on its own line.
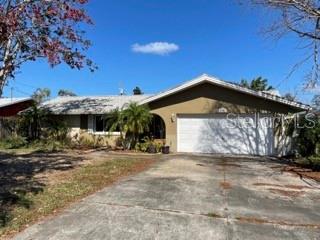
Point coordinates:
pixel 226 134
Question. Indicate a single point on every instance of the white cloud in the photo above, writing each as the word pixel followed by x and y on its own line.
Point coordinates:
pixel 157 48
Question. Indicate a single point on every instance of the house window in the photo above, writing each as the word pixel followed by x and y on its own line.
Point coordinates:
pixel 100 124
pixel 103 125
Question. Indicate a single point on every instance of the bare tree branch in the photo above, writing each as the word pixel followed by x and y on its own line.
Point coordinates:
pixel 301 17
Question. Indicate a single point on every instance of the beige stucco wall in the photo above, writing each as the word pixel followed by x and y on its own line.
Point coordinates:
pixel 205 99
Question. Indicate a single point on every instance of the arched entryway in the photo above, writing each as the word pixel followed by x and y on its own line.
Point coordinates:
pixel 157 128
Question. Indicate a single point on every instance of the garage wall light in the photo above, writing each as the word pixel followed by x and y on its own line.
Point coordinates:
pixel 222 110
pixel 173 117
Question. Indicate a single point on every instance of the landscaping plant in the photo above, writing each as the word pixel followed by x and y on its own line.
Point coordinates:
pixel 306 136
pixel 136 121
pixel 149 145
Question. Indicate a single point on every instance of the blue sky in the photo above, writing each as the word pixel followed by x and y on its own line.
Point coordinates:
pixel 220 38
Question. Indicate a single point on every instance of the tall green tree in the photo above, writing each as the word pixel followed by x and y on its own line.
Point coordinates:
pixel 115 121
pixel 66 93
pixel 257 84
pixel 136 119
pixel 137 91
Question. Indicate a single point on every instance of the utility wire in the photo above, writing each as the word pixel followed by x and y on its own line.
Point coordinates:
pixel 21 92
pixel 26 85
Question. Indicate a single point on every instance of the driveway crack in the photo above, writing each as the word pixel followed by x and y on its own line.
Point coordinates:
pixel 160 210
pixel 228 220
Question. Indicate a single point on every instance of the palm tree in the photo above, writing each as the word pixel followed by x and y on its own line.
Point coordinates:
pixel 31 121
pixel 257 84
pixel 245 83
pixel 115 122
pixel 136 119
pixel 41 95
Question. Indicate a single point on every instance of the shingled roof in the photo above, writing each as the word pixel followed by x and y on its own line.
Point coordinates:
pixel 104 104
pixel 90 104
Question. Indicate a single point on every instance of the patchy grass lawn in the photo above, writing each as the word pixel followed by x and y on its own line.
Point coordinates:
pixel 32 187
pixel 18 151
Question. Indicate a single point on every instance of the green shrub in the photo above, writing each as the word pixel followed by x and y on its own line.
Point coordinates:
pixel 148 145
pixel 9 126
pixel 48 145
pixel 317 149
pixel 31 122
pixel 56 130
pixel 143 147
pixel 37 123
pixel 312 162
pixel 315 162
pixel 35 128
pixel 13 142
pixel 307 138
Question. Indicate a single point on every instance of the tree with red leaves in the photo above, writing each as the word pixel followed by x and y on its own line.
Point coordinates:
pixel 49 29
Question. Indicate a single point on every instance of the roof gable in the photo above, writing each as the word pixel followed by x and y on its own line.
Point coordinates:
pixel 217 82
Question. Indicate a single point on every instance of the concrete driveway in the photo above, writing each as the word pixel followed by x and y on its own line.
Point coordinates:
pixel 195 197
